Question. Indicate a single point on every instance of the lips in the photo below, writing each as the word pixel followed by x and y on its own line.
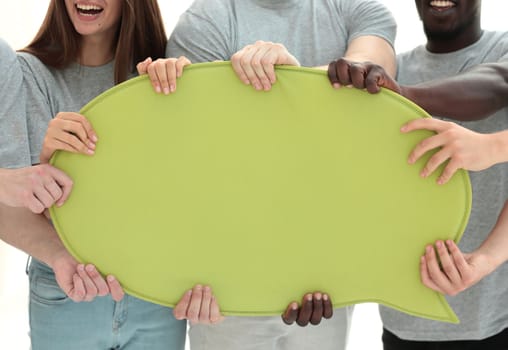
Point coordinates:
pixel 442 5
pixel 88 9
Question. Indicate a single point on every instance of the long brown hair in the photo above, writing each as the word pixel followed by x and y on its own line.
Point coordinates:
pixel 140 35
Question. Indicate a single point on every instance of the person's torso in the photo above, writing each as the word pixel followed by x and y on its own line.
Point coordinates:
pixel 50 91
pixel 482 309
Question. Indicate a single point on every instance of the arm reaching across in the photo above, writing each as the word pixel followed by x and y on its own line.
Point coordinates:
pixel 461 147
pixel 33 234
pixel 472 95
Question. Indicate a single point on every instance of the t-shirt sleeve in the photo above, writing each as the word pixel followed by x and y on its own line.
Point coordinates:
pixel 202 34
pixel 368 17
pixel 503 45
pixel 14 147
pixel 38 110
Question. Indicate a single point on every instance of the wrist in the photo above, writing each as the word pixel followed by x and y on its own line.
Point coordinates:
pixel 493 255
pixel 59 258
pixel 3 182
pixel 500 146
pixel 409 93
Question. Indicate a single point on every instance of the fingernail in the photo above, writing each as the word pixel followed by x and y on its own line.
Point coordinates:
pixel 81 267
pixel 90 152
pixel 404 128
pixel 91 145
pixel 94 138
pixel 172 88
pixel 166 91
pixel 158 89
pixel 111 278
pixel 336 85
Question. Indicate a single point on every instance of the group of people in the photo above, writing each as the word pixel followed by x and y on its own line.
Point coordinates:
pixel 83 48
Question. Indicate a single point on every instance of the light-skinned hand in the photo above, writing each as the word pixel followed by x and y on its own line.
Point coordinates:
pixel 255 64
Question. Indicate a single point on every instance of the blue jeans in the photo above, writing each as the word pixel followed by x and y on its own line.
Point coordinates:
pixel 58 323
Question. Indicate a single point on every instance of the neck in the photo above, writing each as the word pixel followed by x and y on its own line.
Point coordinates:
pixel 96 51
pixel 451 43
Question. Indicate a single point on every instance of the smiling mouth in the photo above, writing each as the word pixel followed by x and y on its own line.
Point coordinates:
pixel 442 5
pixel 88 10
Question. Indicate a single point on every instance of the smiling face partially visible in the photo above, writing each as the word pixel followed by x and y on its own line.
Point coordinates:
pixel 95 17
pixel 451 20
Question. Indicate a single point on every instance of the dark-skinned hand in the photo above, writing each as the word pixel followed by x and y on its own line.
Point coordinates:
pixel 315 306
pixel 361 75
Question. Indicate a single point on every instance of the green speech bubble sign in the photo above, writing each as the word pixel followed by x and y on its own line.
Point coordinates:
pixel 263 195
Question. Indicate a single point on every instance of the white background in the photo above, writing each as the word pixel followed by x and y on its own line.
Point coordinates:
pixel 19 22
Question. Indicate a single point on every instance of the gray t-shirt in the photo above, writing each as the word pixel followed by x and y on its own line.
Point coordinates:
pixel 316 32
pixel 50 91
pixel 483 308
pixel 14 149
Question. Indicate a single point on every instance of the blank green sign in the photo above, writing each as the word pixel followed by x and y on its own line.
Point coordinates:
pixel 262 195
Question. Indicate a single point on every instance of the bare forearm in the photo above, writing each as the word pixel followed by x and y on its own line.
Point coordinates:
pixel 500 146
pixel 496 244
pixel 3 183
pixel 31 233
pixel 473 95
pixel 375 50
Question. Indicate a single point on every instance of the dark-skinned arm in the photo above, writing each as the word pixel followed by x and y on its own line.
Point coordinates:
pixel 471 95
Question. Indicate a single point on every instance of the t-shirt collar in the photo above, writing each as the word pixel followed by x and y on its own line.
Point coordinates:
pixel 277 4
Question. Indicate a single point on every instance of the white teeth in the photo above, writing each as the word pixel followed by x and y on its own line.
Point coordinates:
pixel 88 7
pixel 441 3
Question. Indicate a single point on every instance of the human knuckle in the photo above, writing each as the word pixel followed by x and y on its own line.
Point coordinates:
pixel 448 269
pixel 256 63
pixel 265 61
pixel 244 60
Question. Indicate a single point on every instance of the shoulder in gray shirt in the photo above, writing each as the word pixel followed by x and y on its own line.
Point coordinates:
pixel 14 150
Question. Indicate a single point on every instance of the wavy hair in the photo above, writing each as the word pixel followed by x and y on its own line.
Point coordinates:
pixel 140 34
